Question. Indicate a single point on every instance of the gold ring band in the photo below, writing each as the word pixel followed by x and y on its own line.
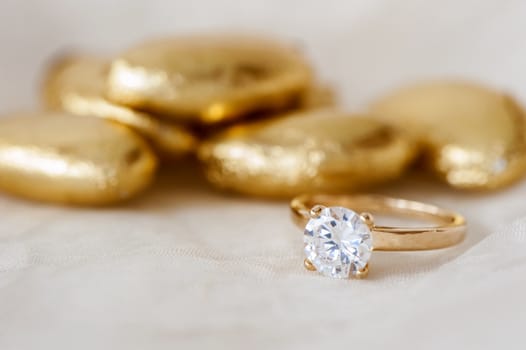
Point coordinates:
pixel 339 217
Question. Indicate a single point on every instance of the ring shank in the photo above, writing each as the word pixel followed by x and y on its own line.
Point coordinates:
pixel 450 229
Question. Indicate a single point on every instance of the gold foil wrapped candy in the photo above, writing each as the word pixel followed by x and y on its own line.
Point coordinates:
pixel 69 159
pixel 208 79
pixel 473 137
pixel 309 151
pixel 77 84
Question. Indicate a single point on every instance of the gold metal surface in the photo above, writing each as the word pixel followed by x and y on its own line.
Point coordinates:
pixel 77 84
pixel 308 265
pixel 208 79
pixel 474 137
pixel 362 273
pixel 450 228
pixel 72 159
pixel 318 95
pixel 308 151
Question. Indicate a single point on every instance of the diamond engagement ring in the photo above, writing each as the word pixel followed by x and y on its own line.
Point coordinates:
pixel 339 241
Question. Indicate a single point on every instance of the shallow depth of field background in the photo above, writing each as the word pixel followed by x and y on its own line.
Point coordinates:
pixel 187 268
pixel 364 47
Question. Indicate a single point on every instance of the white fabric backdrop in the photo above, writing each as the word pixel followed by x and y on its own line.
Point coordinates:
pixel 184 267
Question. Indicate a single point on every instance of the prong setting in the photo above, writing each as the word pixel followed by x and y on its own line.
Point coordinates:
pixel 362 273
pixel 316 210
pixel 368 219
pixel 309 265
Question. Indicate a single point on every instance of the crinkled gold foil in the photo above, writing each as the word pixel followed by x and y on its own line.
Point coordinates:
pixel 209 79
pixel 77 84
pixel 71 159
pixel 474 137
pixel 304 152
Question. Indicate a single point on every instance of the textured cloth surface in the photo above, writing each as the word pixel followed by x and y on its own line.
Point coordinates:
pixel 184 267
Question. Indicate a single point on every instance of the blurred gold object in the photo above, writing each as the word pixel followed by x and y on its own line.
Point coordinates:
pixel 474 136
pixel 77 84
pixel 309 151
pixel 209 79
pixel 71 159
pixel 318 95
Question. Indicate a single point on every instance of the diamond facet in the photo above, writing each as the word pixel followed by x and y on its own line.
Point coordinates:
pixel 338 242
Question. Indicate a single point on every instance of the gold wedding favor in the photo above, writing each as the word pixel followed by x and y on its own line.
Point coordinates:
pixel 77 85
pixel 254 113
pixel 209 79
pixel 473 137
pixel 75 160
pixel 305 152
